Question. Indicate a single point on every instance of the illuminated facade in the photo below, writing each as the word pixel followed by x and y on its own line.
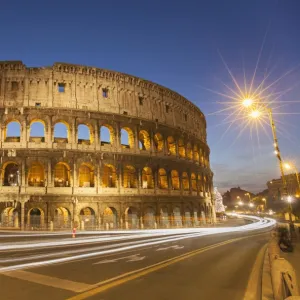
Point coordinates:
pixel 143 162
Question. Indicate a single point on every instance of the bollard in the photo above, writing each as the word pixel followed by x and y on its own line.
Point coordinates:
pixel 126 225
pixel 74 232
pixel 284 279
pixel 107 226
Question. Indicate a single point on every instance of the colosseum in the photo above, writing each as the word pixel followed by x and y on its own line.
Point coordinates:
pixel 97 149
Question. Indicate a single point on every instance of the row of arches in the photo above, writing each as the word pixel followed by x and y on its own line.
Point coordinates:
pixel 127 138
pixel 127 176
pixel 87 218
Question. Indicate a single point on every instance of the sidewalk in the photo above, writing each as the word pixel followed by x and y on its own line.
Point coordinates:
pixel 294 258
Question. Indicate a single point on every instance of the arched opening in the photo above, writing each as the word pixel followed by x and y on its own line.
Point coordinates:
pixel 131 218
pixel 149 218
pixel 162 179
pixel 194 182
pixel 86 175
pixel 196 153
pixel 189 151
pixel 171 146
pixel 158 142
pixel 188 217
pixel 35 218
pixel 147 178
pixel 85 134
pixel 109 178
pixel 61 132
pixel 37 131
pixel 36 175
pixel 11 174
pixel 181 148
pixel 129 177
pixel 127 138
pixel 9 218
pixel 87 218
pixel 110 218
pixel 177 217
pixel 61 175
pixel 144 140
pixel 164 217
pixel 106 135
pixel 62 218
pixel 175 180
pixel 12 133
pixel 185 181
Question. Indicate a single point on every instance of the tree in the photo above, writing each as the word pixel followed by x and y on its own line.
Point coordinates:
pixel 218 201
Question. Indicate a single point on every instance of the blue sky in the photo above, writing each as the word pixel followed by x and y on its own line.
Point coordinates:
pixel 177 44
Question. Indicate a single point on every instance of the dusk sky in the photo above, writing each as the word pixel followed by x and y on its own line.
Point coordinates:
pixel 179 44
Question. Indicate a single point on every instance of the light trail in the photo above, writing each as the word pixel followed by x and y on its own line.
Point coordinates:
pixel 194 232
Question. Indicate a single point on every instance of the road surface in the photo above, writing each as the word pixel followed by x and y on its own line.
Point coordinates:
pixel 200 263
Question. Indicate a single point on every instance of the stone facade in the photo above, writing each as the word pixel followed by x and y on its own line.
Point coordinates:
pixel 159 178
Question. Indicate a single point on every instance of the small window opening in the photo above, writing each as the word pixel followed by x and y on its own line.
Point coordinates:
pixel 141 100
pixel 167 108
pixel 185 117
pixel 125 113
pixel 14 85
pixel 61 87
pixel 38 104
pixel 105 93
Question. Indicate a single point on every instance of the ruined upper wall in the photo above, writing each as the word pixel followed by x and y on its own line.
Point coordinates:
pixel 88 88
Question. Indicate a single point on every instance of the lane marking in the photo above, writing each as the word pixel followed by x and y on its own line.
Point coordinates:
pixel 133 257
pixel 123 278
pixel 171 247
pixel 64 284
pixel 253 291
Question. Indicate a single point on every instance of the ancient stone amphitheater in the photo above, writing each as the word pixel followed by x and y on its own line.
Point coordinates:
pixel 88 147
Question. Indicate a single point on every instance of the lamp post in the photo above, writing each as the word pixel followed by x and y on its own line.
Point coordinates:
pixel 256 110
pixel 255 113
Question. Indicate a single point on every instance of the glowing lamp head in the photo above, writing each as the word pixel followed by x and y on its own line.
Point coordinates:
pixel 289 199
pixel 287 166
pixel 251 204
pixel 241 203
pixel 255 114
pixel 275 152
pixel 247 102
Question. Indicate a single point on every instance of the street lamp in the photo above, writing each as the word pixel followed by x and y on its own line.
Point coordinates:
pixel 251 204
pixel 241 203
pixel 255 113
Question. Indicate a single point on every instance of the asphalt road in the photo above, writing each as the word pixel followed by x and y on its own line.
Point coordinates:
pixel 158 265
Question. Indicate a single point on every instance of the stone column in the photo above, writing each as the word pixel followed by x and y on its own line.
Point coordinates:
pixel 117 135
pixel 49 177
pixel 2 133
pixel 136 137
pixel 22 215
pixel 50 132
pixel 75 181
pixel 96 136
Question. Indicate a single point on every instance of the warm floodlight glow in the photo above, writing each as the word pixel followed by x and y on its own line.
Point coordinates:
pixel 255 114
pixel 241 203
pixel 287 166
pixel 247 102
pixel 289 199
pixel 251 204
pixel 275 152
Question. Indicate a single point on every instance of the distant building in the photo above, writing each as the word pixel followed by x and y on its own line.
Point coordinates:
pixel 275 188
pixel 234 195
